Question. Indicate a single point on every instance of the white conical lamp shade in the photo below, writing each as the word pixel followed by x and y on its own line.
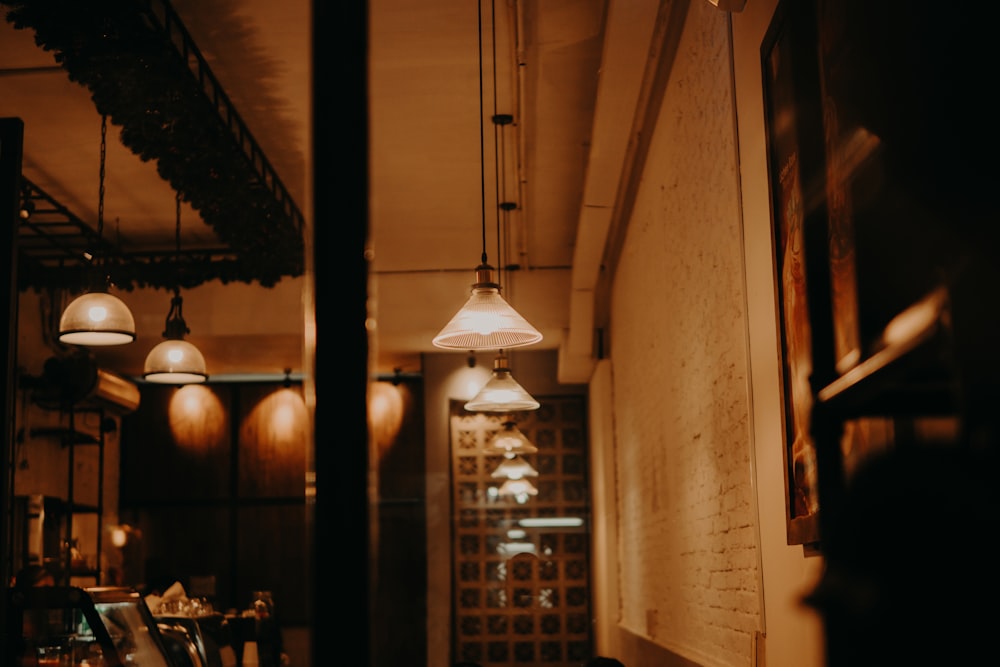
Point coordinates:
pixel 486 321
pixel 501 393
pixel 519 489
pixel 514 468
pixel 175 361
pixel 96 319
pixel 512 441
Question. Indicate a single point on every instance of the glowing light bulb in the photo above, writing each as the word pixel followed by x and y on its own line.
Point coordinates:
pixel 97 313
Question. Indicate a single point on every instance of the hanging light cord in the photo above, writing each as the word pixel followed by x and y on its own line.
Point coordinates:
pixel 176 327
pixel 482 134
pixel 496 143
pixel 100 179
pixel 177 231
pixel 500 123
pixel 99 276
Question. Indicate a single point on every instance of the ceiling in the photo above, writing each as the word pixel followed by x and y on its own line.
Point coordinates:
pixel 569 73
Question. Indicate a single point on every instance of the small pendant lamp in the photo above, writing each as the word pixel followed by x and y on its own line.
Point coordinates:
pixel 98 318
pixel 512 442
pixel 514 468
pixel 175 361
pixel 486 321
pixel 501 393
pixel 519 489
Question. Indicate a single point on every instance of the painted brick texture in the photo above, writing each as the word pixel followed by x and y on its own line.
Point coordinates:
pixel 688 548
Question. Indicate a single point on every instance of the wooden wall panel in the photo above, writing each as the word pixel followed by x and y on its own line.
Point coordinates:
pixel 188 456
pixel 274 436
pixel 214 475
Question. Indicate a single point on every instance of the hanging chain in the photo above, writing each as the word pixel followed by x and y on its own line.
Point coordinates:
pixel 177 240
pixel 178 231
pixel 100 190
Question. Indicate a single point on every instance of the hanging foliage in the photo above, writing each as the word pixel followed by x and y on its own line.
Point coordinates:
pixel 121 53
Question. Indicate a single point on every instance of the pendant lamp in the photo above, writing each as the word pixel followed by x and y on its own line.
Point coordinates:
pixel 486 321
pixel 175 361
pixel 511 441
pixel 98 318
pixel 501 393
pixel 514 468
pixel 519 489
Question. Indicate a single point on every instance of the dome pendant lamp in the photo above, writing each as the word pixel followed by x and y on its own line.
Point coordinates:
pixel 486 321
pixel 175 361
pixel 98 318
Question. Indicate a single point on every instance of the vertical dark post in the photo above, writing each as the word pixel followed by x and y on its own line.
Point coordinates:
pixel 341 594
pixel 11 145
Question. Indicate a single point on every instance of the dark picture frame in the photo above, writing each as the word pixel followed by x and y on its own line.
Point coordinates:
pixel 793 129
pixel 838 169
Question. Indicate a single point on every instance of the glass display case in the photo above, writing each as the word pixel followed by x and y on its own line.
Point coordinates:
pixel 74 627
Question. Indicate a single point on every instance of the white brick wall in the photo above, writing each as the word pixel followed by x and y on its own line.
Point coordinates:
pixel 689 576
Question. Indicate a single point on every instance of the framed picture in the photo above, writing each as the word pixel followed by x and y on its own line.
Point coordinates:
pixel 864 188
pixel 793 126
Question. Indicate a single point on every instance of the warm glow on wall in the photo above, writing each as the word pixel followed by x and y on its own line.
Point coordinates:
pixel 197 418
pixel 280 419
pixel 385 412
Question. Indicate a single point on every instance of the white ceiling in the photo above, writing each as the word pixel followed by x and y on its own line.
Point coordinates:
pixel 569 72
pixel 427 183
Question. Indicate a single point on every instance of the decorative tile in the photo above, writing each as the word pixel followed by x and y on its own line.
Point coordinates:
pixel 523 569
pixel 470 651
pixel 524 597
pixel 545 438
pixel 575 543
pixel 572 438
pixel 548 598
pixel 574 490
pixel 471 626
pixel 577 652
pixel 468 571
pixel 468 544
pixel 498 652
pixel 573 464
pixel 496 625
pixel 468 518
pixel 576 596
pixel 468 465
pixel 486 604
pixel 496 518
pixel 496 570
pixel 546 464
pixel 469 598
pixel 524 652
pixel 524 624
pixel 550 651
pixel 577 624
pixel 496 598
pixel 548 571
pixel 551 624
